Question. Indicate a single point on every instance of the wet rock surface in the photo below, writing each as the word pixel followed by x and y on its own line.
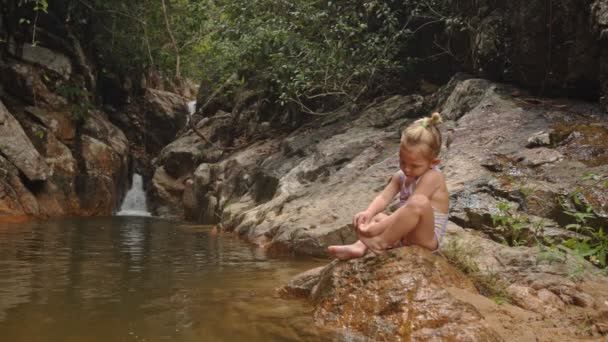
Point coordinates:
pixel 55 164
pixel 506 294
pixel 15 145
pixel 399 296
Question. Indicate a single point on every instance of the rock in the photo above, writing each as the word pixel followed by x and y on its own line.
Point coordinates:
pixel 46 58
pixel 106 177
pixel 539 139
pixel 393 109
pixel 59 123
pixel 538 156
pixel 510 45
pixel 543 301
pixel 98 127
pixel 301 286
pixel 182 156
pixel 599 22
pixel 399 296
pixel 307 218
pixel 27 84
pixel 166 194
pixel 15 200
pixel 466 96
pixel 18 149
pixel 165 114
pixel 490 40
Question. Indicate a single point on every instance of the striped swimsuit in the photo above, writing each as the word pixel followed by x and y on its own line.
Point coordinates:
pixel 441 219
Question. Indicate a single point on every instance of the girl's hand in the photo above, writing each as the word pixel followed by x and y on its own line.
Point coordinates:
pixel 363 230
pixel 361 218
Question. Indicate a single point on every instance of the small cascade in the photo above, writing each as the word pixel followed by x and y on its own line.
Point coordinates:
pixel 134 203
pixel 191 107
pixel 191 111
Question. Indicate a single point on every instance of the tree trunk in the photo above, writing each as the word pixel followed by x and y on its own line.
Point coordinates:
pixel 178 75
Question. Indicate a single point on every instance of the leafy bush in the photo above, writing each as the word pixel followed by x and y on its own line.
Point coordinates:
pixel 309 53
pixel 312 55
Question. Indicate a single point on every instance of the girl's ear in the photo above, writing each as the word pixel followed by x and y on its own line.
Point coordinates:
pixel 435 162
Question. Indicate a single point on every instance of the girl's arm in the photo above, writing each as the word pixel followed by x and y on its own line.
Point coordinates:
pixel 386 196
pixel 379 203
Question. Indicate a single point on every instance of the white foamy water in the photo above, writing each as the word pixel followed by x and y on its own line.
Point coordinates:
pixel 134 203
pixel 191 107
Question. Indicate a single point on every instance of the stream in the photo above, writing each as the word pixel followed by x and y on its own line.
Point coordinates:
pixel 127 278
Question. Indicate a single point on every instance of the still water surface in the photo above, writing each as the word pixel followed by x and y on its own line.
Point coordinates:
pixel 143 279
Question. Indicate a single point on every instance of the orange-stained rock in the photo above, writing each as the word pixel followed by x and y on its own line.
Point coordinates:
pixel 58 122
pixel 14 218
pixel 399 296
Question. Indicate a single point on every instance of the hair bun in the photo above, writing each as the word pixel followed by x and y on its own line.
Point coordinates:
pixel 435 119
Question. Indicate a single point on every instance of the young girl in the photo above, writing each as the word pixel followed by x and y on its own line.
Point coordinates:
pixel 424 200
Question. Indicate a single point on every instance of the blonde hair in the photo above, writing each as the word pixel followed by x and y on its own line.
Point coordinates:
pixel 424 131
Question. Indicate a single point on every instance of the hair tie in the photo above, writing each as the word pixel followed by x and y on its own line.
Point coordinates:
pixel 424 124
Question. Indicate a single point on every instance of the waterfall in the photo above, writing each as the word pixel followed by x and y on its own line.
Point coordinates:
pixel 134 203
pixel 191 111
pixel 191 107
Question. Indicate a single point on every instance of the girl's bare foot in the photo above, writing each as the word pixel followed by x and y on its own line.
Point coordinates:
pixel 374 244
pixel 356 250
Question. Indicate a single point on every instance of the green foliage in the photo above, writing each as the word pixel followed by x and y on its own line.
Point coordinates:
pixel 310 55
pixel 515 225
pixel 549 254
pixel 80 106
pixel 307 55
pixel 39 133
pixel 593 245
pixel 306 51
pixel 526 190
pixel 38 6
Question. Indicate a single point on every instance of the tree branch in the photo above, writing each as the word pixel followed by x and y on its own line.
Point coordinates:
pixel 177 61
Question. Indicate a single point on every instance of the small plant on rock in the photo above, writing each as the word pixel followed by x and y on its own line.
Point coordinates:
pixel 594 244
pixel 489 283
pixel 514 225
pixel 80 106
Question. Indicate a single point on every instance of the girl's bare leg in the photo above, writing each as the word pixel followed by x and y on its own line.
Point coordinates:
pixel 346 252
pixel 376 229
pixel 355 250
pixel 415 220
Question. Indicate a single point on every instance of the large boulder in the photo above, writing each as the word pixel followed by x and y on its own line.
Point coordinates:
pixel 28 85
pixel 166 194
pixel 505 294
pixel 16 200
pixel 401 296
pixel 491 158
pixel 43 57
pixel 556 47
pixel 60 169
pixel 165 114
pixel 296 197
pixel 15 145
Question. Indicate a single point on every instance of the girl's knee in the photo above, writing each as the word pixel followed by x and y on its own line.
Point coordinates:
pixel 419 202
pixel 379 217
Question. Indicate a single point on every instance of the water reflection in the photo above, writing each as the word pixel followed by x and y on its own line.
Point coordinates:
pixel 139 278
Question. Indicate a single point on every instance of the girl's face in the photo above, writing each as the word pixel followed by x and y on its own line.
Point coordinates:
pixel 414 160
